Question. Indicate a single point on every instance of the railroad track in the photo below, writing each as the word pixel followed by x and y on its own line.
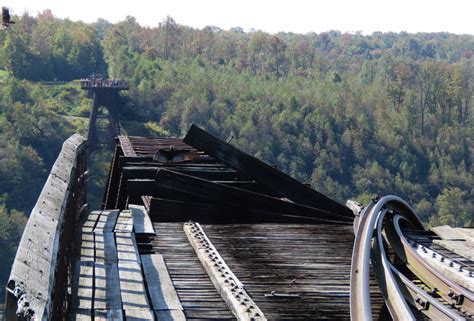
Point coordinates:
pixel 410 280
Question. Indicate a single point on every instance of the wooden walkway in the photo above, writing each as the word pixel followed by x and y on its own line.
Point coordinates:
pixel 295 271
pixel 112 280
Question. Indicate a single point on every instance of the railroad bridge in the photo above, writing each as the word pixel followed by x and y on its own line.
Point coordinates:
pixel 103 127
pixel 196 229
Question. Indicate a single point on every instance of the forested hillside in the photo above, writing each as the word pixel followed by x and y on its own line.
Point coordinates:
pixel 351 114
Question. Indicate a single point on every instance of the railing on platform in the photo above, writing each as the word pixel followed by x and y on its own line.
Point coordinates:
pixel 40 275
pixel 91 84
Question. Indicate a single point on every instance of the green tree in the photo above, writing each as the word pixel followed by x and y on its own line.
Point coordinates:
pixel 452 209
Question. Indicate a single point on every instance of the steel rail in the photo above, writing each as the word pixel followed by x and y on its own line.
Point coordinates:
pixel 422 300
pixel 404 289
pixel 457 271
pixel 396 288
pixel 394 298
pixel 360 305
pixel 449 290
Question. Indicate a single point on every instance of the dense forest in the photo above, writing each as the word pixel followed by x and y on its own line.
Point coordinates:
pixel 351 114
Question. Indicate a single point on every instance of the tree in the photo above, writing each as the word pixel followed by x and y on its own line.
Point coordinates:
pixel 397 86
pixel 19 59
pixel 172 33
pixel 452 209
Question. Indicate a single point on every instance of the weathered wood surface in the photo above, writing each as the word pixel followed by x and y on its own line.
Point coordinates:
pixel 448 233
pixel 197 294
pixel 141 221
pixel 162 292
pixel 83 271
pixel 107 315
pixel 34 267
pixel 83 282
pixel 127 248
pixel 170 315
pixel 106 277
pixel 462 248
pixel 139 314
pixel 132 287
pixel 224 280
pixel 106 222
pixel 467 233
pixel 124 222
pixel 80 315
pixel 288 268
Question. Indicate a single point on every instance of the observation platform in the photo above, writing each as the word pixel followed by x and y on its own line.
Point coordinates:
pixel 109 84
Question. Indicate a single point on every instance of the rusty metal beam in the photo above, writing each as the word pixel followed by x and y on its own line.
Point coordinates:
pixel 265 174
pixel 232 196
pixel 170 210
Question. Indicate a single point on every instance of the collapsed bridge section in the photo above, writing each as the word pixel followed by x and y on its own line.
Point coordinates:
pixel 196 229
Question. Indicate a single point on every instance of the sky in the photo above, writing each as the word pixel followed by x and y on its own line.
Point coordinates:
pixel 299 16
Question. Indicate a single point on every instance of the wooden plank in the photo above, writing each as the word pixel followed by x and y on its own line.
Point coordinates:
pixel 106 221
pixel 162 292
pixel 87 246
pixel 262 172
pixel 83 285
pixel 467 233
pixel 123 160
pixel 462 248
pixel 124 222
pixel 447 233
pixel 310 261
pixel 141 221
pixel 132 288
pixel 127 250
pixel 106 315
pixel 170 315
pixel 109 199
pixel 80 315
pixel 90 221
pixel 139 315
pixel 106 282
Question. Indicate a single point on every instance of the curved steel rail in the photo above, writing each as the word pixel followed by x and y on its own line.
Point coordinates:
pixel 394 298
pixel 423 300
pixel 383 216
pixel 453 293
pixel 360 292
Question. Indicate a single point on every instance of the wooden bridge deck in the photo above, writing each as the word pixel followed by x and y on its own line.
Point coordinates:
pixel 295 271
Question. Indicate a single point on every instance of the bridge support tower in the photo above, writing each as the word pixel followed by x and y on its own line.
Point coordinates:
pixel 103 128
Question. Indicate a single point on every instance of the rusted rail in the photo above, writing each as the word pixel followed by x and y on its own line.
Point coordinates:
pixel 40 275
